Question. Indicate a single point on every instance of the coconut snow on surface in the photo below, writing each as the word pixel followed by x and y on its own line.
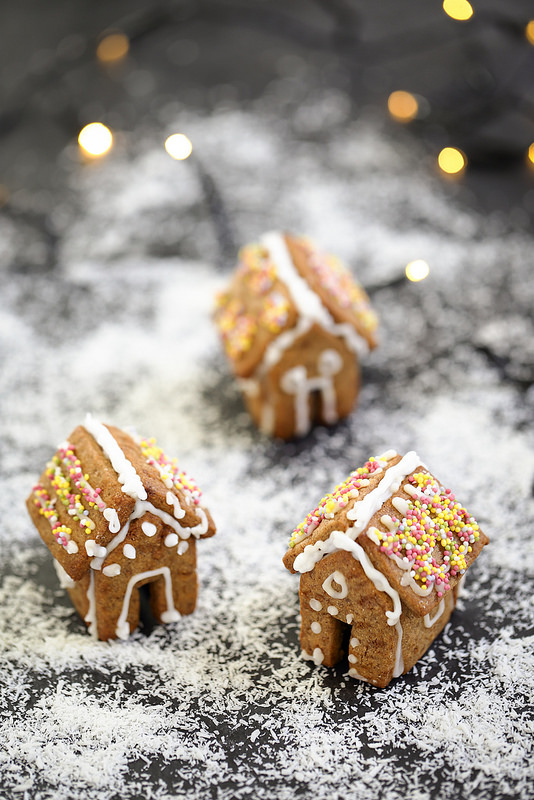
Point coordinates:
pixel 220 703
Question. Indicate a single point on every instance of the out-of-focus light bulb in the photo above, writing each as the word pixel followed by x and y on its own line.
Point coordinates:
pixel 403 106
pixel 452 161
pixel 417 270
pixel 529 31
pixel 178 146
pixel 530 155
pixel 113 47
pixel 458 9
pixel 95 139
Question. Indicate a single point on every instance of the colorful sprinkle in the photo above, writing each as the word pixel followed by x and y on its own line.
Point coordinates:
pixel 66 476
pixel 46 507
pixel 433 518
pixel 237 327
pixel 337 499
pixel 171 474
pixel 340 284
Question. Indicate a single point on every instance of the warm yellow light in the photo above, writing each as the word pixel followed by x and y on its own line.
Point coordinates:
pixel 529 31
pixel 458 9
pixel 451 161
pixel 403 106
pixel 178 146
pixel 417 270
pixel 95 139
pixel 113 47
pixel 530 155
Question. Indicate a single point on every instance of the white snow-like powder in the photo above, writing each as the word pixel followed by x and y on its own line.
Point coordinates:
pixel 220 703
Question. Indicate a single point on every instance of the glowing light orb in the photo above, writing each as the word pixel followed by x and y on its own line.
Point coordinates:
pixel 530 155
pixel 95 139
pixel 452 161
pixel 178 146
pixel 458 9
pixel 529 31
pixel 417 270
pixel 403 106
pixel 113 47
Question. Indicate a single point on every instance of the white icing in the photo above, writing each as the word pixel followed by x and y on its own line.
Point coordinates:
pixel 71 547
pixel 94 549
pixel 387 456
pixel 171 540
pixel 296 382
pixel 315 604
pixel 352 658
pixel 379 580
pixel 350 617
pixel 317 656
pixel 387 522
pixel 183 547
pixel 363 510
pixel 339 578
pixel 354 642
pixel 129 551
pixel 401 505
pixel 316 627
pixel 65 581
pixel 172 500
pixel 333 610
pixel 148 528
pixel 305 299
pixel 398 668
pixel 130 481
pixel 112 570
pixel 113 518
pixel 170 615
pixel 361 513
pixel 90 617
pixel 428 620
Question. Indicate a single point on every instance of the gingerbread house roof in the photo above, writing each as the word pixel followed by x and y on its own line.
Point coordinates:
pixel 285 283
pixel 99 480
pixel 402 525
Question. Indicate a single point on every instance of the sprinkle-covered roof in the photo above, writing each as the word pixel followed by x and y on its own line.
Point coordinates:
pixel 258 306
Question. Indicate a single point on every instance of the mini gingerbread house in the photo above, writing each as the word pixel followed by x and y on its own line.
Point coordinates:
pixel 381 558
pixel 116 514
pixel 293 323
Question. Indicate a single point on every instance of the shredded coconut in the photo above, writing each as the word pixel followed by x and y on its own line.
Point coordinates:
pixel 221 703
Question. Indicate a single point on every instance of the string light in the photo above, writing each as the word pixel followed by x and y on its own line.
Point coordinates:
pixel 452 161
pixel 529 31
pixel 458 9
pixel 95 139
pixel 112 48
pixel 403 106
pixel 417 270
pixel 530 155
pixel 178 146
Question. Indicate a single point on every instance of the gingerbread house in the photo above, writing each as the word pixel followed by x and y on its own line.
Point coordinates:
pixel 117 514
pixel 294 323
pixel 381 559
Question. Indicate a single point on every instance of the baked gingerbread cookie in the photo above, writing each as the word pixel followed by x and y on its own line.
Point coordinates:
pixel 381 559
pixel 294 323
pixel 117 513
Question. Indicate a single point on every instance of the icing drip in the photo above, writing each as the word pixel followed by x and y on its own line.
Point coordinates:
pixel 317 656
pixel 428 620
